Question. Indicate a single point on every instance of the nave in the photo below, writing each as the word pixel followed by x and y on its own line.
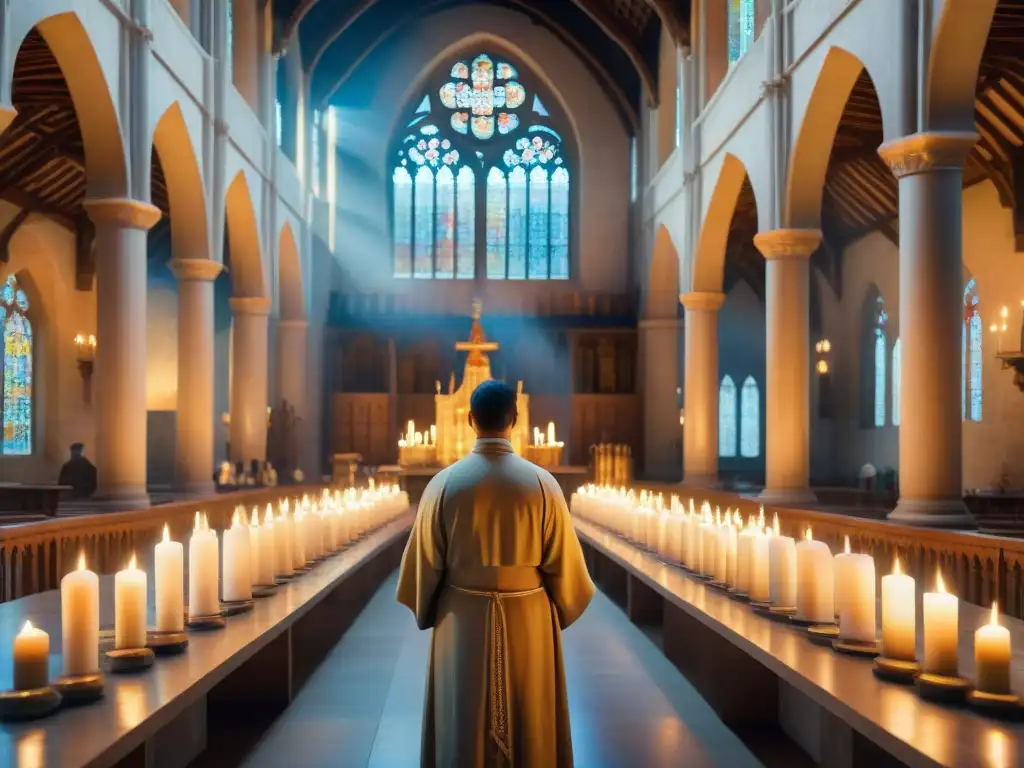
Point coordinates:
pixel 629 706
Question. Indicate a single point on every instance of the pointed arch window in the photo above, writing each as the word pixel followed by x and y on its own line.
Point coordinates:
pixel 727 418
pixel 881 357
pixel 742 24
pixel 750 419
pixel 18 348
pixel 896 383
pixel 971 350
pixel 482 122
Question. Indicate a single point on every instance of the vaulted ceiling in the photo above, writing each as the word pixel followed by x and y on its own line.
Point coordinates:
pixel 616 39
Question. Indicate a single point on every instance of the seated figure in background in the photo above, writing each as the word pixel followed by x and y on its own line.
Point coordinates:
pixel 79 473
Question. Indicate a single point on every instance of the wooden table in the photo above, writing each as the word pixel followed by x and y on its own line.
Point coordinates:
pixel 759 673
pixel 16 497
pixel 172 713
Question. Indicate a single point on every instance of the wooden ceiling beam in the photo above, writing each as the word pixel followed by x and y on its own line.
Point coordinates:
pixel 669 15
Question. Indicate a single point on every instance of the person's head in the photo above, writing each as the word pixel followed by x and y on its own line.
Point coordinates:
pixel 492 409
pixel 77 449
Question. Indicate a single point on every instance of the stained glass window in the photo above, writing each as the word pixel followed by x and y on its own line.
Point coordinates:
pixel 315 155
pixel 741 28
pixel 423 224
pixel 465 223
pixel 540 235
pixel 445 231
pixel 896 383
pixel 17 370
pixel 403 222
pixel 516 267
pixel 278 117
pixel 881 356
pixel 750 419
pixel 971 355
pixel 727 418
pixel 497 208
pixel 560 224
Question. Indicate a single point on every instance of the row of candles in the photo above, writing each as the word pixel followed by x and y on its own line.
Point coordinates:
pixel 253 552
pixel 755 559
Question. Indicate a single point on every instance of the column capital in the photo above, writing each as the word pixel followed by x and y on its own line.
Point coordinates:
pixel 709 301
pixel 787 243
pixel 927 152
pixel 196 270
pixel 250 305
pixel 122 210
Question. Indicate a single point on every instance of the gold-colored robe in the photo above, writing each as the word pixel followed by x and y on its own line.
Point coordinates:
pixel 494 566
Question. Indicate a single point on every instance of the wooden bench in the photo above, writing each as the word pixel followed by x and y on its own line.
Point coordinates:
pixel 188 707
pixel 759 674
pixel 39 499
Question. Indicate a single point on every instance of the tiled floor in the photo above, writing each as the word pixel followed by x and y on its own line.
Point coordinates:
pixel 629 706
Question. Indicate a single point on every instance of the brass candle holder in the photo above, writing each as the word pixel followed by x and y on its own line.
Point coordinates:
pixel 902 671
pixel 29 704
pixel 128 660
pixel 76 690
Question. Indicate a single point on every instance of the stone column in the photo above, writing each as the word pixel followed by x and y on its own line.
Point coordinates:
pixel 788 363
pixel 660 343
pixel 249 379
pixel 119 386
pixel 293 378
pixel 929 167
pixel 700 394
pixel 245 65
pixel 194 465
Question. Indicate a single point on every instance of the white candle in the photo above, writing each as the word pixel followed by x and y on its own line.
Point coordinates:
pixel 31 658
pixel 707 539
pixel 842 568
pixel 814 581
pixel 674 543
pixel 254 548
pixel 267 552
pixel 731 562
pixel 759 568
pixel 857 617
pixel 130 607
pixel 284 534
pixel 313 536
pixel 551 433
pixel 237 565
pixel 781 569
pixel 299 540
pixel 721 553
pixel 744 559
pixel 991 656
pixel 80 621
pixel 899 616
pixel 203 570
pixel 169 584
pixel 941 624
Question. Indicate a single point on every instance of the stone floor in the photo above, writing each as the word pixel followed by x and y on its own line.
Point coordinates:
pixel 629 706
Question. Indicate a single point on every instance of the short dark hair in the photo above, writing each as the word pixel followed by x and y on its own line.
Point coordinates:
pixel 77 447
pixel 493 405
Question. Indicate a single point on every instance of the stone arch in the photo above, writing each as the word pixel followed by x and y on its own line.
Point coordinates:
pixel 185 189
pixel 243 235
pixel 662 300
pixel 960 34
pixel 93 99
pixel 708 270
pixel 290 286
pixel 812 150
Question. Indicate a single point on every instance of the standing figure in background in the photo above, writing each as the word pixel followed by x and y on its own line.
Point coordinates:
pixel 79 473
pixel 493 565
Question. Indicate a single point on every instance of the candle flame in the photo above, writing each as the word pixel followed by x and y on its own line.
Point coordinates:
pixel 896 567
pixel 760 517
pixel 941 584
pixel 254 521
pixel 1004 311
pixel 27 628
pixel 846 544
pixel 775 524
pixel 808 536
pixel 81 561
pixel 132 564
pixel 235 521
pixel 994 621
pixel 167 533
pixel 198 524
pixel 268 517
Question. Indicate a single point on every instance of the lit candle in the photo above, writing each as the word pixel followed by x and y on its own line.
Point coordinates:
pixel 203 570
pixel 237 566
pixel 814 582
pixel 759 567
pixel 721 553
pixel 745 558
pixel 254 548
pixel 857 618
pixel 433 434
pixel 267 552
pixel 941 617
pixel 130 607
pixel 690 557
pixel 31 658
pixel 551 433
pixel 730 553
pixel 842 567
pixel 284 534
pixel 707 538
pixel 299 540
pixel 80 621
pixel 169 584
pixel 781 568
pixel 992 656
pixel 899 616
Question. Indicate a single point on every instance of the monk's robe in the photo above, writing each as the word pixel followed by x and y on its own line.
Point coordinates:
pixel 493 565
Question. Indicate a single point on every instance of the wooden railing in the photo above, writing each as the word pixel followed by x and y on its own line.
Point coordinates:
pixel 981 567
pixel 35 556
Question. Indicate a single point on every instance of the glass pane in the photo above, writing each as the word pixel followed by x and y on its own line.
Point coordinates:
pixel 17 385
pixel 497 215
pixel 445 224
pixel 560 224
pixel 424 224
pixel 750 419
pixel 880 356
pixel 538 268
pixel 403 222
pixel 896 383
pixel 465 224
pixel 976 366
pixel 517 224
pixel 727 419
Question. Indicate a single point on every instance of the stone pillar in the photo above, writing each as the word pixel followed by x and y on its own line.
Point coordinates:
pixel 7 110
pixel 293 379
pixel 119 386
pixel 929 167
pixel 194 465
pixel 249 379
pixel 659 339
pixel 245 65
pixel 700 394
pixel 788 363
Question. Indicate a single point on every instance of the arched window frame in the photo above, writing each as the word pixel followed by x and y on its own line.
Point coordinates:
pixel 728 411
pixel 972 349
pixel 483 155
pixel 14 308
pixel 750 419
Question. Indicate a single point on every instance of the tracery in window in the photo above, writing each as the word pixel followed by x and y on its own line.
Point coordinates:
pixel 741 28
pixel 971 350
pixel 17 370
pixel 727 418
pixel 750 419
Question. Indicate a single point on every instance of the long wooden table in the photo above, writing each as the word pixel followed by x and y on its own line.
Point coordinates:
pixel 185 706
pixel 759 673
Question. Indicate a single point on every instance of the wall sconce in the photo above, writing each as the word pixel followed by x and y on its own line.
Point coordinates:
pixel 822 367
pixel 85 347
pixel 822 349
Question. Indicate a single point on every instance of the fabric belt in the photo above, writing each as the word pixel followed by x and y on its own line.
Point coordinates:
pixel 498 661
